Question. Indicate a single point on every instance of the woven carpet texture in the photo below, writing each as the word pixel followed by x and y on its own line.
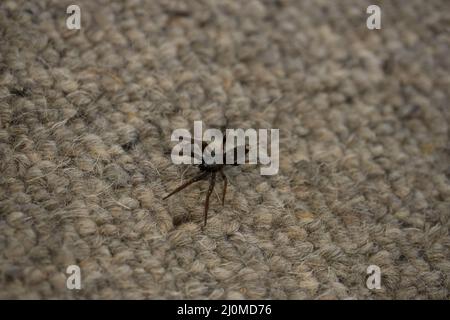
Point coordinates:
pixel 85 123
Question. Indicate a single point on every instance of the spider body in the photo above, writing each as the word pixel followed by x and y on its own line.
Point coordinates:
pixel 211 171
pixel 210 167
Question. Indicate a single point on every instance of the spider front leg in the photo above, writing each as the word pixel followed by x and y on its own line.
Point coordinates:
pixel 212 182
pixel 189 182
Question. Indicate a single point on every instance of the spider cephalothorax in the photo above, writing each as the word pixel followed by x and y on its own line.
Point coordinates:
pixel 211 171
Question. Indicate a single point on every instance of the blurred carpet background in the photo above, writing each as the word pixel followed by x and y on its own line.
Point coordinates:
pixel 85 124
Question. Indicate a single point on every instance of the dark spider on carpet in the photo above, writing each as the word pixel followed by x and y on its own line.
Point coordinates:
pixel 211 171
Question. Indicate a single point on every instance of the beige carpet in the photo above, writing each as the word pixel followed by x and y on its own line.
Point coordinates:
pixel 85 124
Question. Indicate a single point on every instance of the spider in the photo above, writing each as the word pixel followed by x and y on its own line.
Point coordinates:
pixel 22 92
pixel 210 170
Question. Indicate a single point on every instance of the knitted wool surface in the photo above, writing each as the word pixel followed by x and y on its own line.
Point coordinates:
pixel 85 124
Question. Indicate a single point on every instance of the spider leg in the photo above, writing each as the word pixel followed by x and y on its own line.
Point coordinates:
pixel 212 182
pixel 187 183
pixel 225 182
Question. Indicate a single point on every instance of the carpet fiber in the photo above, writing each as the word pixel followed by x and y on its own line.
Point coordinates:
pixel 85 124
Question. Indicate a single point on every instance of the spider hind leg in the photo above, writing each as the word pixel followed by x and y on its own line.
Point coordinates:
pixel 212 182
pixel 225 182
